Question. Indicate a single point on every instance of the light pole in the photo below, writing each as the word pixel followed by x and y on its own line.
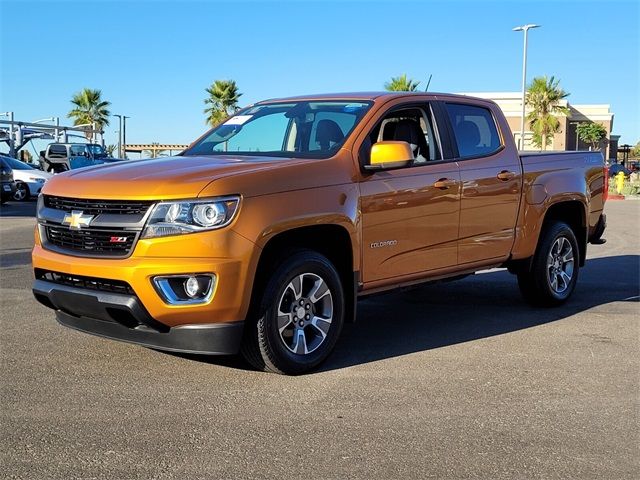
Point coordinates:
pixel 525 29
pixel 119 135
pixel 124 136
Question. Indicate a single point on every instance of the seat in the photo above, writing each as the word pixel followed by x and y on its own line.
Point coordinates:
pixel 389 130
pixel 409 131
pixel 328 133
pixel 468 136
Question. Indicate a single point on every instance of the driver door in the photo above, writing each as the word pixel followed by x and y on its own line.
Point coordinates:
pixel 410 216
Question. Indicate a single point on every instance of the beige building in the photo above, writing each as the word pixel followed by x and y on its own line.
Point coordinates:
pixel 566 139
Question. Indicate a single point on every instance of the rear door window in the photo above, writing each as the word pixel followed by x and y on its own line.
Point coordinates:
pixel 58 151
pixel 475 130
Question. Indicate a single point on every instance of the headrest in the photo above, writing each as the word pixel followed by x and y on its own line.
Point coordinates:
pixel 468 133
pixel 408 131
pixel 328 132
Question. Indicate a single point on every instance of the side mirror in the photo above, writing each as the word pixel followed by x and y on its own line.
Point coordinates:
pixel 390 154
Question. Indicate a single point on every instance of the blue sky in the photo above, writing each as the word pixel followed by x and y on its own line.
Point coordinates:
pixel 152 60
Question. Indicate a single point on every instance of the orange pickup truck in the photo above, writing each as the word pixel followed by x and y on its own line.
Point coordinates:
pixel 260 237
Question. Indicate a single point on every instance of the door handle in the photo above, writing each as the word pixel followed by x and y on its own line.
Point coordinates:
pixel 444 183
pixel 506 175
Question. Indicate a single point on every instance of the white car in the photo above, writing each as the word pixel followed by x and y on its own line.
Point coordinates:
pixel 29 181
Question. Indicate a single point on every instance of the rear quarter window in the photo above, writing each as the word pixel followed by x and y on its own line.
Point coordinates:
pixel 475 130
pixel 58 151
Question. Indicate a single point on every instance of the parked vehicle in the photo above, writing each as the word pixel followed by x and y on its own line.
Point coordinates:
pixel 262 235
pixel 60 157
pixel 617 168
pixel 29 181
pixel 7 184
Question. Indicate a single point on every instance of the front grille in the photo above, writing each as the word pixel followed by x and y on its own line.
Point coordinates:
pixel 96 207
pixel 92 240
pixel 90 283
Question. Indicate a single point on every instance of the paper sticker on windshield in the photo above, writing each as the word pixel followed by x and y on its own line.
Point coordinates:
pixel 238 120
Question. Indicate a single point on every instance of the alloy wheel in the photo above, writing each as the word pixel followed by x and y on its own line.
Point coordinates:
pixel 560 265
pixel 305 312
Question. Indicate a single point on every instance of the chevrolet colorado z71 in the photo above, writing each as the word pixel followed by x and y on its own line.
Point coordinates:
pixel 262 234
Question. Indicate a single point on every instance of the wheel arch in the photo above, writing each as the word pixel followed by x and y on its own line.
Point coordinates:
pixel 573 213
pixel 330 240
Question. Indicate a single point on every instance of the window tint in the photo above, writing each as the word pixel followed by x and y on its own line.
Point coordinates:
pixel 474 128
pixel 264 134
pixel 329 128
pixel 17 164
pixel 310 129
pixel 58 151
pixel 78 149
pixel 412 125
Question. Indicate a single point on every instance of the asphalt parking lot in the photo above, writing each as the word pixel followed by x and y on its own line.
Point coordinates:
pixel 453 380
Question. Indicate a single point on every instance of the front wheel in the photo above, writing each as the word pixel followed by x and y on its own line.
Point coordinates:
pixel 554 270
pixel 299 318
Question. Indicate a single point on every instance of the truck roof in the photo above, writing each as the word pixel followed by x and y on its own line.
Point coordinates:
pixel 359 96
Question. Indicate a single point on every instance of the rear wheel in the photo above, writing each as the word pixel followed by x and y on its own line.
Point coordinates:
pixel 299 318
pixel 22 192
pixel 554 270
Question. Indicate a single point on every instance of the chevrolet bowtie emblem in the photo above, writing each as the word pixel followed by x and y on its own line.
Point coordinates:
pixel 77 219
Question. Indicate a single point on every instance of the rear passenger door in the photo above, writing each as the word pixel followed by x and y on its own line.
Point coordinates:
pixel 491 184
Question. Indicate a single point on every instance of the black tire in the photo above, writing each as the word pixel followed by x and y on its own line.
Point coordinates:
pixel 264 346
pixel 536 284
pixel 22 193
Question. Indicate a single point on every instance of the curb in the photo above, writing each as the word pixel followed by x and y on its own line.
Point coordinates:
pixel 615 197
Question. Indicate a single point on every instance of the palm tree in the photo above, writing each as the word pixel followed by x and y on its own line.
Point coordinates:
pixel 401 84
pixel 90 108
pixel 222 101
pixel 110 149
pixel 543 97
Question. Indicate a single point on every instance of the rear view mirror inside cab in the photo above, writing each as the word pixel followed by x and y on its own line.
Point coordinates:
pixel 390 154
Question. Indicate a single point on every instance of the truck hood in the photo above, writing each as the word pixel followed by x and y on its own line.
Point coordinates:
pixel 156 179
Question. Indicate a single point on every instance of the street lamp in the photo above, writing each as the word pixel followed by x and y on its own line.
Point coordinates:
pixel 124 136
pixel 119 135
pixel 525 29
pixel 50 119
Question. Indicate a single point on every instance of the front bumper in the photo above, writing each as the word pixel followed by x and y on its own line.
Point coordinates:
pixel 123 317
pixel 7 189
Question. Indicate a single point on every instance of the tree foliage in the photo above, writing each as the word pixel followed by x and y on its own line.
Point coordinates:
pixel 401 84
pixel 591 133
pixel 222 101
pixel 89 108
pixel 544 96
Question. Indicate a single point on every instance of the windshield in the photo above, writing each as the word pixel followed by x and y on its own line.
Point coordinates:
pixel 97 150
pixel 17 164
pixel 301 129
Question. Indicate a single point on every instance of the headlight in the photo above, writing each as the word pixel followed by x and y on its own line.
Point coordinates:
pixel 176 218
pixel 36 179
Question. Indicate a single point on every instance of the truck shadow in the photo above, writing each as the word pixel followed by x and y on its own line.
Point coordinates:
pixel 448 313
pixel 480 306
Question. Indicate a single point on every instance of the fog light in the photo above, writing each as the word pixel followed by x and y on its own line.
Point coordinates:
pixel 185 289
pixel 191 287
